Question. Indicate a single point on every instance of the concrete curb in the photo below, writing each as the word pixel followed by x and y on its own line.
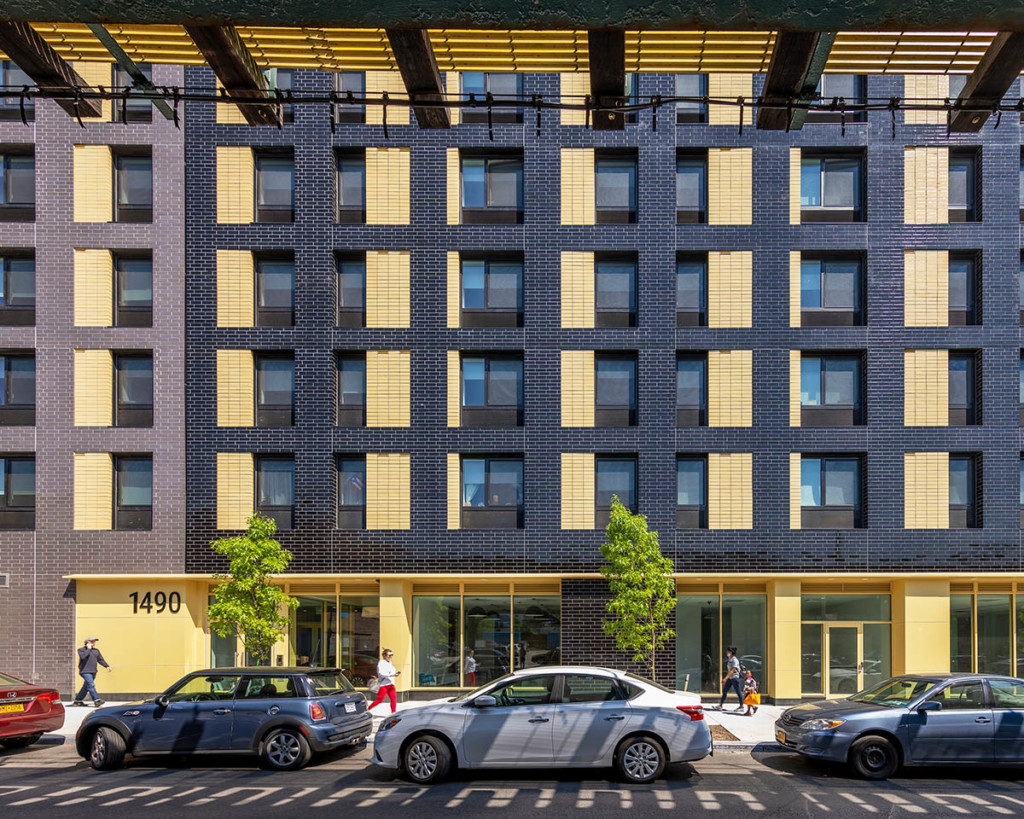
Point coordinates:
pixel 748 747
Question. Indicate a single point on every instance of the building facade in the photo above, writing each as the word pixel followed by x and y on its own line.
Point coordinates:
pixel 434 356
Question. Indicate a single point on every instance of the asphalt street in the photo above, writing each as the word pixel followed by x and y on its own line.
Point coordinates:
pixel 49 780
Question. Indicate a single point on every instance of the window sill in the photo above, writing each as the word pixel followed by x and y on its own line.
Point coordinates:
pixel 351 217
pixel 274 318
pixel 127 215
pixel 830 417
pixel 615 217
pixel 824 517
pixel 351 518
pixel 134 417
pixel 614 318
pixel 17 213
pixel 17 416
pixel 491 216
pixel 614 417
pixel 690 217
pixel 690 318
pixel 351 318
pixel 24 317
pixel 351 417
pixel 492 417
pixel 491 318
pixel 815 215
pixel 688 417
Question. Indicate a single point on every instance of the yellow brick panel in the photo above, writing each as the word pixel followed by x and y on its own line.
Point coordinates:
pixel 236 178
pixel 794 388
pixel 730 187
pixel 575 86
pixel 227 112
pixel 730 490
pixel 795 491
pixel 578 194
pixel 94 388
pixel 94 490
pixel 95 75
pixel 236 489
pixel 454 490
pixel 454 389
pixel 236 391
pixel 452 92
pixel 377 82
pixel 926 186
pixel 794 288
pixel 236 283
pixel 387 388
pixel 729 283
pixel 94 285
pixel 926 490
pixel 926 388
pixel 387 288
pixel 453 194
pixel 454 288
pixel 94 183
pixel 577 388
pixel 730 385
pixel 926 288
pixel 388 497
pixel 578 498
pixel 729 86
pixel 577 288
pixel 387 186
pixel 794 186
pixel 925 88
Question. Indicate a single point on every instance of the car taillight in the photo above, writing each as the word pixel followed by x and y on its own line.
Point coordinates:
pixel 694 712
pixel 316 711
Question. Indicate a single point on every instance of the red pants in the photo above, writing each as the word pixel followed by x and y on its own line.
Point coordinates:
pixel 385 691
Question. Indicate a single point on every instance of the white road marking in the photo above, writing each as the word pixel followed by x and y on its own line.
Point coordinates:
pixel 32 800
pixel 817 803
pixel 375 795
pixel 900 802
pixel 665 799
pixel 545 798
pixel 10 790
pixel 499 797
pixel 970 799
pixel 303 793
pixel 709 799
pixel 144 790
pixel 586 796
pixel 181 795
pixel 860 803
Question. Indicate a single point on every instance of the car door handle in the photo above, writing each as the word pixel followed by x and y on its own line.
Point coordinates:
pixel 983 719
pixel 538 719
pixel 222 711
pixel 614 718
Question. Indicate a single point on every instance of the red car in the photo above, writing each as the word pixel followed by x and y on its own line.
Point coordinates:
pixel 27 712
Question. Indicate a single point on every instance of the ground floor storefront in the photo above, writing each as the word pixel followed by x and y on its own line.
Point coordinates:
pixel 801 636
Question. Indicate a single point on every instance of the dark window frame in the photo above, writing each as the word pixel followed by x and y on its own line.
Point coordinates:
pixel 349 214
pixel 971 157
pixel 349 517
pixel 490 316
pixel 616 415
pixel 272 77
pixel 16 211
pixel 617 158
pixel 268 213
pixel 689 317
pixel 616 318
pixel 499 114
pixel 130 108
pixel 489 414
pixel 827 414
pixel 131 213
pixel 131 517
pixel 283 515
pixel 349 414
pixel 16 516
pixel 273 415
pixel 972 315
pixel 491 214
pixel 348 315
pixel 691 114
pixel 688 158
pixel 825 213
pixel 966 414
pixel 693 516
pixel 693 415
pixel 132 415
pixel 272 316
pixel 491 515
pixel 824 96
pixel 602 513
pixel 11 412
pixel 831 515
pixel 350 113
pixel 824 315
pixel 127 316
pixel 10 104
pixel 19 314
pixel 967 515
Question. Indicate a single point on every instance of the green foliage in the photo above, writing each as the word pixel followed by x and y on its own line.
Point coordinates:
pixel 246 602
pixel 642 586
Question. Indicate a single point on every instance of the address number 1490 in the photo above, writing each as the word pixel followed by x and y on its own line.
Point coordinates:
pixel 155 603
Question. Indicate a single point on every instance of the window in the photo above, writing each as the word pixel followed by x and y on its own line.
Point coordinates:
pixel 351 492
pixel 590 688
pixel 963 186
pixel 705 624
pixel 963 513
pixel 527 693
pixel 691 390
pixel 275 489
pixel 981 631
pixel 615 389
pixel 17 289
pixel 133 508
pixel 351 389
pixel 1020 281
pixel 350 189
pixel 632 97
pixel 830 492
pixel 962 389
pixel 691 492
pixel 17 390
pixel 134 290
pixel 492 390
pixel 1021 387
pixel 691 187
pixel 132 108
pixel 962 697
pixel 956 85
pixel 492 492
pixel 11 104
pixel 351 291
pixel 831 187
pixel 963 287
pixel 1007 694
pixel 615 291
pixel 691 85
pixel 1021 484
pixel 267 688
pixel 830 390
pixel 492 292
pixel 502 87
pixel 275 186
pixel 831 291
pixel 282 79
pixel 692 291
pixel 850 88
pixel 17 492
pixel 615 188
pixel 614 477
pixel 492 189
pixel 275 390
pixel 134 388
pixel 275 291
pixel 133 185
pixel 205 687
pixel 1020 185
pixel 17 185
pixel 350 83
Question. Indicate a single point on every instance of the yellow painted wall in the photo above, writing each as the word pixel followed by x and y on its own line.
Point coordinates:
pixel 94 183
pixel 94 491
pixel 574 88
pixel 730 490
pixel 926 490
pixel 227 112
pixel 94 288
pixel 926 186
pixel 236 286
pixel 577 388
pixel 794 288
pixel 795 492
pixel 926 388
pixel 794 186
pixel 96 75
pixel 927 88
pixel 926 288
pixel 578 186
pixel 388 497
pixel 387 186
pixel 729 87
pixel 454 290
pixel 94 388
pixel 784 652
pixel 920 626
pixel 236 489
pixel 730 186
pixel 396 627
pixel 577 281
pixel 236 388
pixel 454 389
pixel 236 180
pixel 387 388
pixel 729 288
pixel 578 498
pixel 453 195
pixel 377 82
pixel 387 288
pixel 453 89
pixel 454 491
pixel 794 387
pixel 730 385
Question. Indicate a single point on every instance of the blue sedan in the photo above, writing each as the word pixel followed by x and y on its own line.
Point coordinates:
pixel 916 719
pixel 283 715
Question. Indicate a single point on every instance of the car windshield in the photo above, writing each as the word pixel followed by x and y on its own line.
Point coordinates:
pixel 896 693
pixel 651 683
pixel 328 683
pixel 477 691
pixel 5 680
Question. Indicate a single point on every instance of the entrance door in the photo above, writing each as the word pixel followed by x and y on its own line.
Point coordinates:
pixel 844 668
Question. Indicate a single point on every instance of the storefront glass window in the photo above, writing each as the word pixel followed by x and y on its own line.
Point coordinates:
pixel 487 633
pixel 315 638
pixel 222 649
pixel 1020 632
pixel 811 658
pixel 436 641
pixel 983 630
pixel 846 642
pixel 706 625
pixel 849 607
pixel 961 654
pixel 877 653
pixel 994 634
pixel 536 631
pixel 359 638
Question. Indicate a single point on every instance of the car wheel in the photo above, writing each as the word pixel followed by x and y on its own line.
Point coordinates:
pixel 106 750
pixel 426 759
pixel 640 760
pixel 19 742
pixel 286 750
pixel 874 758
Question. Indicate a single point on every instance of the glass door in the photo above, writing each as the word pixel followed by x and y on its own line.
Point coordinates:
pixel 845 666
pixel 314 642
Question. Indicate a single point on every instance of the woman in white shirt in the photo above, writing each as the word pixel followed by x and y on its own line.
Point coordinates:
pixel 386 673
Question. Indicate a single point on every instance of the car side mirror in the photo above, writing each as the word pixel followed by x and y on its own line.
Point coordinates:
pixel 931 705
pixel 162 700
pixel 484 702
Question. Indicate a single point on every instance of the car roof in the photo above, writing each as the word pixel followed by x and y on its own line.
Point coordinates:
pixel 268 671
pixel 568 669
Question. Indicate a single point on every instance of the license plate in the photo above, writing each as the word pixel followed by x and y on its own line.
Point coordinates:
pixel 780 736
pixel 16 708
pixel 350 707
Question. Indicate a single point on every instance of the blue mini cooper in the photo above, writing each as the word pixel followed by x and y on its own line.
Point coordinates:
pixel 283 715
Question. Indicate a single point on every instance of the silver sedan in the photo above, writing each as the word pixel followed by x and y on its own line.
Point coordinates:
pixel 564 717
